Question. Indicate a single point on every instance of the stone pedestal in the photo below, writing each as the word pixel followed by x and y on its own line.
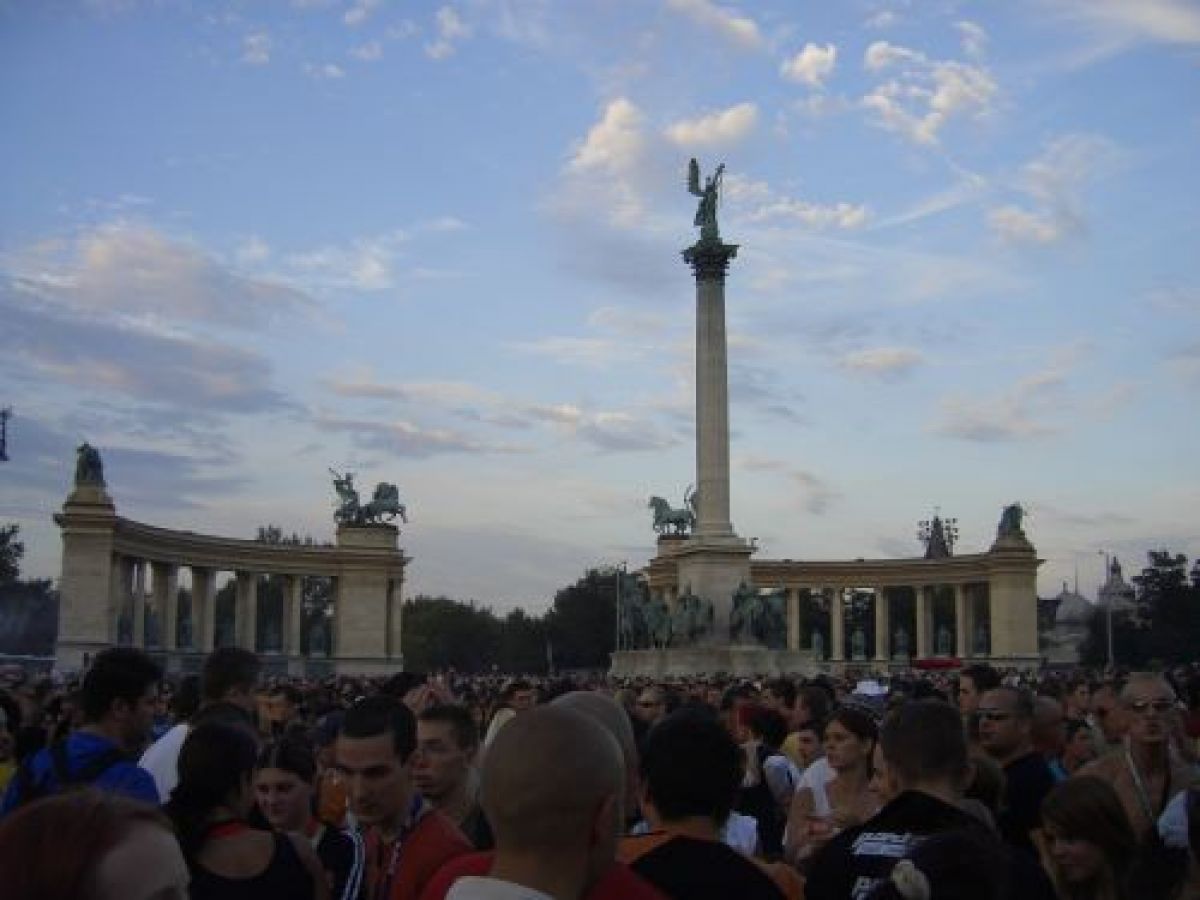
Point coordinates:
pixel 714 568
pixel 682 662
pixel 1013 601
pixel 87 616
pixel 365 638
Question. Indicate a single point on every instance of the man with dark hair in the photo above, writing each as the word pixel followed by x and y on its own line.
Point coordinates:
pixel 230 675
pixel 1006 735
pixel 444 769
pixel 407 840
pixel 691 769
pixel 118 699
pixel 771 779
pixel 921 768
pixel 973 682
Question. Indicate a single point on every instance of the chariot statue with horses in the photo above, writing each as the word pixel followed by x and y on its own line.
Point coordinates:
pixel 671 520
pixel 383 506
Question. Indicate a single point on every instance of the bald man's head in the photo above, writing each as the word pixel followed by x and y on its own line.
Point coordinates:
pixel 610 715
pixel 553 781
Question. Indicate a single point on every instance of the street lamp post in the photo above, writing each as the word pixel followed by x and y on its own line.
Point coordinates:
pixel 1108 609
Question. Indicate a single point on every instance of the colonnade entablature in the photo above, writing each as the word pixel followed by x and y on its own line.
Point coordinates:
pixel 108 560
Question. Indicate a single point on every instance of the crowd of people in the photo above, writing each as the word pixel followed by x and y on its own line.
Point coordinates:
pixel 124 783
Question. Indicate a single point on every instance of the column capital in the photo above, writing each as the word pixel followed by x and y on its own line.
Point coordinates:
pixel 710 259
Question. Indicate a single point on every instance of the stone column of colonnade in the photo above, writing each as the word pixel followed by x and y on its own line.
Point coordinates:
pixel 837 624
pixel 204 608
pixel 293 614
pixel 793 618
pixel 246 611
pixel 138 614
pixel 922 621
pixel 962 630
pixel 882 625
pixel 166 603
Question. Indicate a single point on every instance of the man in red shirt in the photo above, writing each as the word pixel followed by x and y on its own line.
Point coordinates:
pixel 407 840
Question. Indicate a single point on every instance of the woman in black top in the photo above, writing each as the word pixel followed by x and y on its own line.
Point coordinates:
pixel 227 858
pixel 284 788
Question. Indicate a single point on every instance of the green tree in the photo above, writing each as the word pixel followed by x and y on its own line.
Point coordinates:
pixel 11 552
pixel 582 623
pixel 522 643
pixel 441 633
pixel 1171 603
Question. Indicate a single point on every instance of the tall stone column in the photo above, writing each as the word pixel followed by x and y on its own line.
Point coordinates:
pixel 837 626
pixel 793 618
pixel 961 630
pixel 395 630
pixel 922 607
pixel 709 260
pixel 293 615
pixel 204 608
pixel 166 603
pixel 121 596
pixel 246 616
pixel 139 604
pixel 882 625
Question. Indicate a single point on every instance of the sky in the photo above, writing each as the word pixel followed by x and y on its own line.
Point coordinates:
pixel 438 244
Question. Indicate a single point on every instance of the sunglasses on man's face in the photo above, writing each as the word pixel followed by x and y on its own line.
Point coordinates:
pixel 994 715
pixel 1144 706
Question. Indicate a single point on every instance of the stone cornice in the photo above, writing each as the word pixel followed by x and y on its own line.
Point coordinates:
pixel 710 259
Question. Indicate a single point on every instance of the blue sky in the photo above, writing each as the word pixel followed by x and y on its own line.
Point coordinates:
pixel 438 244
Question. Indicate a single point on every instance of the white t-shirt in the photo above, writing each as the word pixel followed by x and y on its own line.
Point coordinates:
pixel 161 760
pixel 478 887
pixel 817 778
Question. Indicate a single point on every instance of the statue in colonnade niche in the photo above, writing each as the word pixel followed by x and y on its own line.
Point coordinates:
pixel 945 640
pixel 982 638
pixel 900 642
pixel 858 643
pixel 317 644
pixel 818 644
pixel 769 623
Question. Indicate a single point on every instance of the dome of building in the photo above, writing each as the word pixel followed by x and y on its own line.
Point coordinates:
pixel 1073 608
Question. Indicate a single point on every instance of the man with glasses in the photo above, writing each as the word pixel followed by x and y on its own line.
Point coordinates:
pixel 1006 734
pixel 1144 772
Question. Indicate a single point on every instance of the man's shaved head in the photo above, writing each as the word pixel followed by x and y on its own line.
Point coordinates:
pixel 545 779
pixel 608 713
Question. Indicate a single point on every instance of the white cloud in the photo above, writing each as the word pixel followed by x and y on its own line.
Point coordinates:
pixel 450 29
pixel 326 72
pixel 736 28
pixel 591 352
pixel 925 94
pixel 256 49
pixel 365 264
pixel 725 126
pixel 368 52
pixel 811 66
pixel 974 38
pixel 1054 181
pixel 886 363
pixel 615 142
pixel 359 12
pixel 885 18
pixel 252 250
pixel 756 202
pixel 407 439
pixel 1165 21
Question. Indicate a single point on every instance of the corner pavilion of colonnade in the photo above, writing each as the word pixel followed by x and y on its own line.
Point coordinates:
pixel 105 562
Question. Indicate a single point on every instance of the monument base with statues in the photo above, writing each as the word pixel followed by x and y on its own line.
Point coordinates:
pixel 684 662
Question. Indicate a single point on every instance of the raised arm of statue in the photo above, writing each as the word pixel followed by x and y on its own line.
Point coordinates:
pixel 706 211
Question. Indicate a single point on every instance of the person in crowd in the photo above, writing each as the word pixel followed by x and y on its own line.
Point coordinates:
pixel 284 780
pixel 770 780
pixel 1077 702
pixel 806 745
pixel 90 844
pixel 1178 862
pixel 651 706
pixel 118 698
pixel 1077 751
pixel 407 840
pixel 609 715
pixel 229 675
pixel 1107 718
pixel 951 865
pixel 8 747
pixel 444 769
pixel 1144 772
pixel 285 710
pixel 227 858
pixel 820 810
pixel 1005 734
pixel 921 769
pixel 551 786
pixel 517 697
pixel 691 768
pixel 973 682
pixel 1089 845
pixel 1048 733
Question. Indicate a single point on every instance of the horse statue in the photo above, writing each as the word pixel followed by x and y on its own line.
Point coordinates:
pixel 348 503
pixel 89 470
pixel 666 518
pixel 1010 521
pixel 385 502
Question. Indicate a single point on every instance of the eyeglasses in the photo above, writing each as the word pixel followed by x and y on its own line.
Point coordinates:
pixel 993 715
pixel 648 704
pixel 1144 706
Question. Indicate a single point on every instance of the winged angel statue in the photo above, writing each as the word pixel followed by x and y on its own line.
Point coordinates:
pixel 706 212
